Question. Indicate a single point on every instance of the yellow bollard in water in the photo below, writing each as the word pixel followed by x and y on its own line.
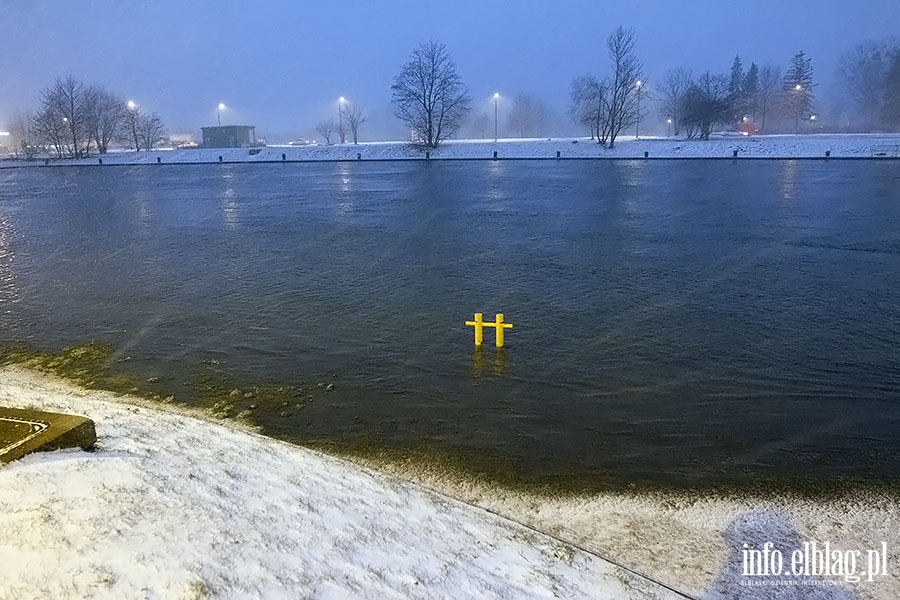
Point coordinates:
pixel 498 326
pixel 478 323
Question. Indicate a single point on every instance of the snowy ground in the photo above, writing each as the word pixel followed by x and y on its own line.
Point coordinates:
pixel 722 146
pixel 174 506
pixel 171 506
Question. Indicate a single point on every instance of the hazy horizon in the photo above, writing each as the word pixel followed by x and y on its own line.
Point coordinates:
pixel 282 65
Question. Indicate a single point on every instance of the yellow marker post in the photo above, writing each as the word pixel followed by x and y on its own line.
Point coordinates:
pixel 498 326
pixel 478 323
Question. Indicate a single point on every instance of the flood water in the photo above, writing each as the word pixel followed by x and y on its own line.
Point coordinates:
pixel 675 322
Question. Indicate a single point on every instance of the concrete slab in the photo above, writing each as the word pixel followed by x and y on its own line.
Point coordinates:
pixel 25 431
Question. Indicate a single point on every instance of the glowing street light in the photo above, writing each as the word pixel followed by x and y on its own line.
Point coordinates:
pixel 668 125
pixel 496 100
pixel 219 110
pixel 798 87
pixel 132 120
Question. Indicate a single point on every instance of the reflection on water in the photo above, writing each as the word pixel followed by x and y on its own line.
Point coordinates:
pixel 345 178
pixel 789 174
pixel 681 322
pixel 496 360
pixel 9 291
pixel 230 209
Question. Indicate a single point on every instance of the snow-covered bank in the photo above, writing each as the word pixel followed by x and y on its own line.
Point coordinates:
pixel 174 506
pixel 774 146
pixel 171 506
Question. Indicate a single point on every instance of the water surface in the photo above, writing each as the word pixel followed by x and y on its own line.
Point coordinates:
pixel 676 322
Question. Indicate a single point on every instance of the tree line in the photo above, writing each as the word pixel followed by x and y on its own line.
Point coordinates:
pixel 350 117
pixel 76 119
pixel 430 98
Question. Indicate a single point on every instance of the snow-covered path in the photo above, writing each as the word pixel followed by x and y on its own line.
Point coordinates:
pixel 627 147
pixel 172 506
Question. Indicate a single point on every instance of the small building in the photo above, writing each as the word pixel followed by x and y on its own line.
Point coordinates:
pixel 229 136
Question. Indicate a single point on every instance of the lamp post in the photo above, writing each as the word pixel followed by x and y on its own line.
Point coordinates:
pixel 668 126
pixel 341 101
pixel 797 103
pixel 132 120
pixel 637 124
pixel 219 110
pixel 496 100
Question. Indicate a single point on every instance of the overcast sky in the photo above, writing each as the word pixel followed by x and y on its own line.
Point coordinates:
pixel 281 65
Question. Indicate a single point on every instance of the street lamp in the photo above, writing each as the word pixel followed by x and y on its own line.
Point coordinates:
pixel 132 120
pixel 496 100
pixel 341 101
pixel 668 125
pixel 219 110
pixel 637 123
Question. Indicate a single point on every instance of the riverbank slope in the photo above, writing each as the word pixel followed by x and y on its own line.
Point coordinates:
pixel 171 503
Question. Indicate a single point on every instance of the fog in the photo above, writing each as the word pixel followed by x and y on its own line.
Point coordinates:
pixel 281 65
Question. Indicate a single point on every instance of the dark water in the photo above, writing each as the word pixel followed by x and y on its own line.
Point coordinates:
pixel 675 322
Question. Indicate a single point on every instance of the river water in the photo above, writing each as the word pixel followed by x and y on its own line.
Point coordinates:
pixel 675 322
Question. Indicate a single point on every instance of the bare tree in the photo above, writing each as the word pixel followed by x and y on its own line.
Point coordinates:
pixel 526 116
pixel 150 131
pixel 862 75
pixel 105 116
pixel 768 92
pixel 707 103
pixel 671 93
pixel 327 129
pixel 131 125
pixel 589 104
pixel 66 101
pixel 50 130
pixel 21 128
pixel 624 90
pixel 429 94
pixel 355 116
pixel 890 110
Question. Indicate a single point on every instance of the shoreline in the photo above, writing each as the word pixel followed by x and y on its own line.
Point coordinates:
pixel 725 147
pixel 250 406
pixel 685 540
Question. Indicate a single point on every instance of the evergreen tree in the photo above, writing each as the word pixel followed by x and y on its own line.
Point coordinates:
pixel 890 110
pixel 735 89
pixel 798 89
pixel 751 91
